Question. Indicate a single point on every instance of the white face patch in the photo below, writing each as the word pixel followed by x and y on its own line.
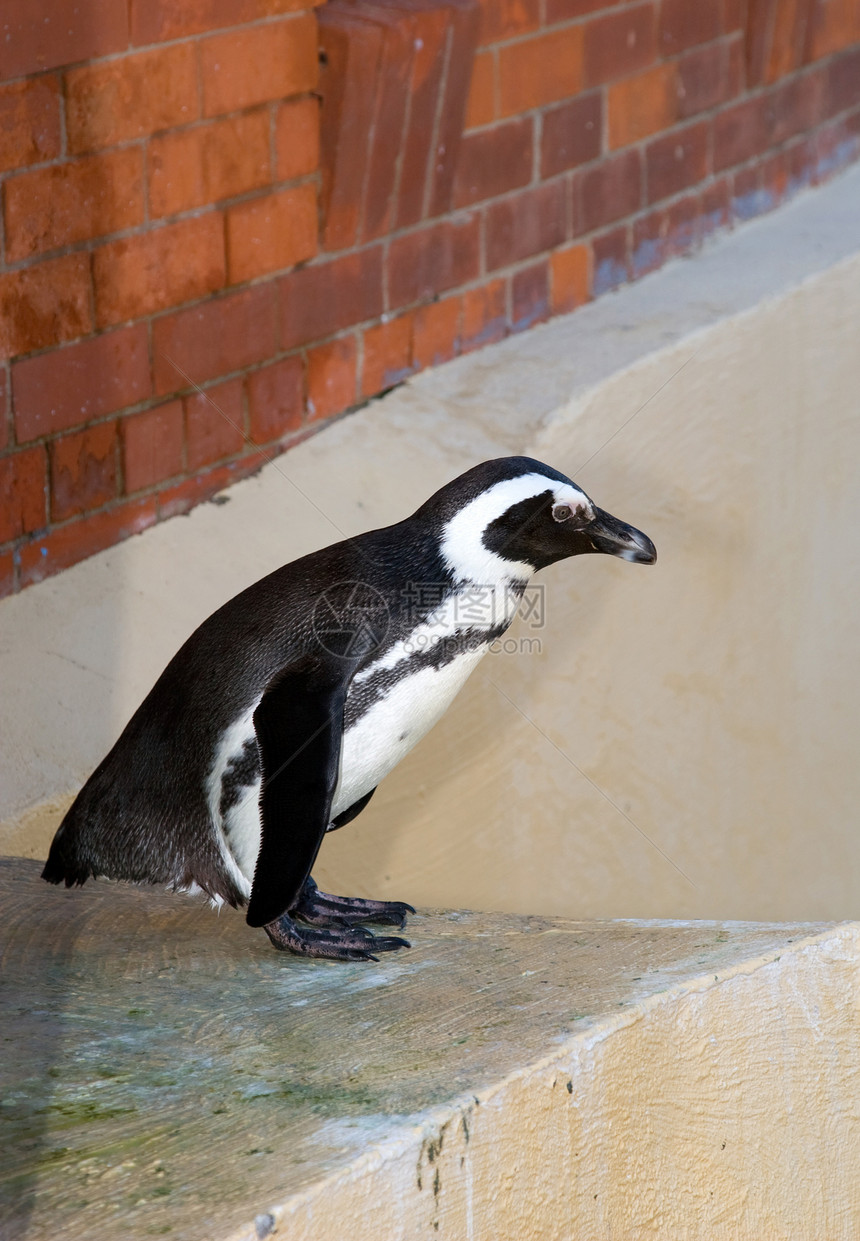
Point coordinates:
pixel 463 537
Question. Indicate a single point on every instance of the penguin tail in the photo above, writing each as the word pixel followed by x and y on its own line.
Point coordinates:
pixel 64 864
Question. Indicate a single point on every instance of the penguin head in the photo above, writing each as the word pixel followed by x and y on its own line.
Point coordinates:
pixel 509 517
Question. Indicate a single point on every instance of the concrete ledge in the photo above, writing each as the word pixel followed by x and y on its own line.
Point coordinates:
pixel 166 1072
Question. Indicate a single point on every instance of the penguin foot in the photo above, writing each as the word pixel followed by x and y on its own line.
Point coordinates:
pixel 340 943
pixel 320 909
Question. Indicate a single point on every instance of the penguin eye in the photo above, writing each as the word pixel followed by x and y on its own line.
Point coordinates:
pixel 561 512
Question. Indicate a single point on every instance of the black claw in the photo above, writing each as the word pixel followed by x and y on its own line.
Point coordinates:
pixel 337 941
pixel 320 909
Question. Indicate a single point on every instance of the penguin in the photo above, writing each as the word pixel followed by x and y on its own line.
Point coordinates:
pixel 276 720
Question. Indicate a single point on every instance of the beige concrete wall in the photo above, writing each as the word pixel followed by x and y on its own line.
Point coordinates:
pixel 684 744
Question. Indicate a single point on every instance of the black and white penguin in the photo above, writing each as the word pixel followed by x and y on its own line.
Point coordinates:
pixel 279 716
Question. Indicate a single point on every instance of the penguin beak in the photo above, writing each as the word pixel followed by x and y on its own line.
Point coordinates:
pixel 616 538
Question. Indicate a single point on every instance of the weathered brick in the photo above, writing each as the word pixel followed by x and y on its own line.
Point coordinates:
pixel 69 544
pixel 209 162
pixel 29 122
pixel 259 63
pixel 570 278
pixel 331 378
pixel 741 131
pixel 572 134
pixel 5 427
pixel 464 21
pixel 436 332
pixel 505 19
pixel 842 89
pixel 388 128
pixel 271 233
pixel 72 202
pixel 797 106
pixel 789 38
pixel 297 138
pixel 24 490
pixel 154 270
pixel 525 224
pixel 481 107
pixel 610 260
pixel 322 299
pixel 529 296
pixel 153 21
pixel 835 25
pixel 214 424
pixel 642 105
pixel 485 315
pixel 117 100
pixel 432 27
pixel 276 400
pixel 565 10
pixel 45 304
pixel 705 79
pixel 37 36
pixel 152 445
pixel 677 160
pixel 683 24
pixel 7 573
pixel 70 386
pixel 734 14
pixel 609 192
pixel 214 338
pixel 493 161
pixel 433 259
pixel 620 44
pixel 664 234
pixel 83 470
pixel 716 205
pixel 387 355
pixel 541 70
pixel 749 198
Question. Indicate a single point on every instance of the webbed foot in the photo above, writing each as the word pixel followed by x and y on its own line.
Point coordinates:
pixel 320 909
pixel 334 943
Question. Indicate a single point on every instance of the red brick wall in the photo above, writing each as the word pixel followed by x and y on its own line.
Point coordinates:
pixel 166 227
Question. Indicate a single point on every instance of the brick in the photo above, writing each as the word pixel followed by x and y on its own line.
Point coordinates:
pixel 540 70
pixel 572 134
pixel 529 296
pixel 258 64
pixel 271 233
pixel 843 83
pixel 683 25
pixel 207 163
pixel 45 304
pixel 642 105
pixel 750 198
pixel 789 38
pixel 36 36
pixel 570 278
pixel 214 338
pixel 331 378
pixel 152 444
pixel 69 544
pixel 4 407
pixel 485 316
pixel 664 234
pixel 741 131
pixel 619 44
pixel 436 332
pixel 29 122
pixel 494 161
pixel 481 106
pixel 432 31
pixel 327 297
pixel 276 400
pixel 610 261
pixel 734 15
pixel 70 386
pixel 835 25
pixel 387 355
pixel 118 100
pixel 716 206
pixel 797 106
pixel 505 19
pixel 565 10
pixel 153 21
pixel 23 486
pixel 525 224
pixel 214 424
pixel 677 160
pixel 388 129
pixel 155 270
pixel 431 260
pixel 7 574
pixel 297 138
pixel 704 80
pixel 72 202
pixel 610 191
pixel 462 42
pixel 83 470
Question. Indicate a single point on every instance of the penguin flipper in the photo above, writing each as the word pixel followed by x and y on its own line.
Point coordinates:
pixel 299 728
